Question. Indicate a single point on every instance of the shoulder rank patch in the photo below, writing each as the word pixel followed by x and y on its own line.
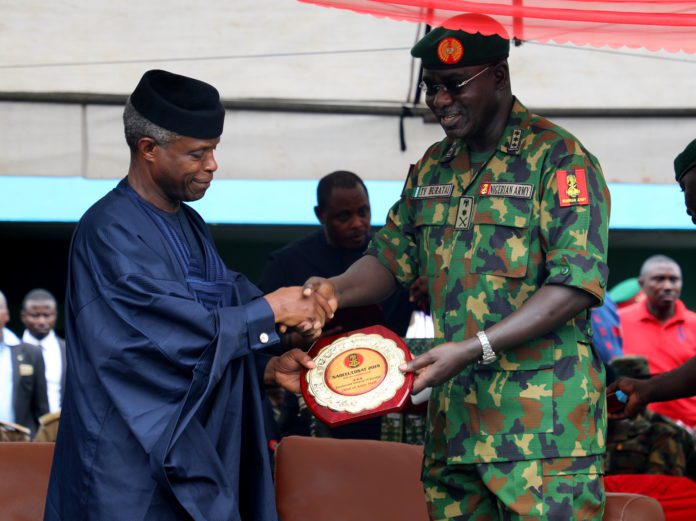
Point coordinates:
pixel 432 191
pixel 464 213
pixel 572 187
pixel 518 190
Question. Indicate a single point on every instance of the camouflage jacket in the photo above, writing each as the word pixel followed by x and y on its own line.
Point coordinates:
pixel 535 213
pixel 648 444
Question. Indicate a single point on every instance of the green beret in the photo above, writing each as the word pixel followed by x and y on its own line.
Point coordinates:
pixel 184 105
pixel 625 290
pixel 444 48
pixel 685 161
pixel 630 366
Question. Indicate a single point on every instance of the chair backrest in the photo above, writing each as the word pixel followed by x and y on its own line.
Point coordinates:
pixel 318 479
pixel 24 472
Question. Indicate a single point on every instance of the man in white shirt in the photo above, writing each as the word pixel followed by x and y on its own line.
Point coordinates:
pixel 39 313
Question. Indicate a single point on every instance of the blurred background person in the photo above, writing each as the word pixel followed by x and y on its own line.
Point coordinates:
pixel 39 313
pixel 662 329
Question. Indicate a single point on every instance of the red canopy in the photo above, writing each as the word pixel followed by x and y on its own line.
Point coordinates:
pixel 653 24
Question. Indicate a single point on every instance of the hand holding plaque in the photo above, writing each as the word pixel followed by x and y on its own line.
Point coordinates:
pixel 357 376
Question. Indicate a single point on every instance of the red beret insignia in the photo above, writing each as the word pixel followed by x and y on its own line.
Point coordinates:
pixel 450 50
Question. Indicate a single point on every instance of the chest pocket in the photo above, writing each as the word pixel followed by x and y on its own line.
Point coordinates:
pixel 501 236
pixel 430 222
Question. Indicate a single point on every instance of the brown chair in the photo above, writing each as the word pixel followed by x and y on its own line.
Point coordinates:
pixel 317 479
pixel 24 471
pixel 323 479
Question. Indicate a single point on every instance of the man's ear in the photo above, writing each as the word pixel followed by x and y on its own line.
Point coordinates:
pixel 501 73
pixel 319 213
pixel 146 148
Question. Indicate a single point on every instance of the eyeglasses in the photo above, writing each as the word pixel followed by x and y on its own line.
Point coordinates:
pixel 454 89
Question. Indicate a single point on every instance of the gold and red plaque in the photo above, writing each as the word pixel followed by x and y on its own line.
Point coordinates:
pixel 357 376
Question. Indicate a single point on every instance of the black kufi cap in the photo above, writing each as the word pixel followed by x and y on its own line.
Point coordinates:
pixel 685 161
pixel 180 104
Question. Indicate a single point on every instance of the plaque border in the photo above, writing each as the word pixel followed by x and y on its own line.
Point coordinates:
pixel 394 403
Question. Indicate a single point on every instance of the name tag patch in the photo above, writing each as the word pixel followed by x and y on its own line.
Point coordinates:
pixel 464 213
pixel 572 187
pixel 521 191
pixel 432 191
pixel 26 370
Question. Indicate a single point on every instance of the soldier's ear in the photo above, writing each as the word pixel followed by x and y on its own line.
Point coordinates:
pixel 501 73
pixel 319 213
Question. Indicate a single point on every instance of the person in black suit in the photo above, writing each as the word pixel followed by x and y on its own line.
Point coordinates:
pixel 23 398
pixel 39 313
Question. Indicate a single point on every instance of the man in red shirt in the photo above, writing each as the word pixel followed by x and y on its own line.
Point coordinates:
pixel 661 329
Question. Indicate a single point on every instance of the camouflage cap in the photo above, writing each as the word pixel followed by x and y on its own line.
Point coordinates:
pixel 477 43
pixel 685 161
pixel 631 366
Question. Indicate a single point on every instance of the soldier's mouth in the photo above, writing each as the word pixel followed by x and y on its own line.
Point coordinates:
pixel 450 120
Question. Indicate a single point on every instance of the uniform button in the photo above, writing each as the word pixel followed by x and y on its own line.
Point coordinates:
pixel 263 337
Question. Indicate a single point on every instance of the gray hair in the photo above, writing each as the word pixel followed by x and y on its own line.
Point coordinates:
pixel 137 127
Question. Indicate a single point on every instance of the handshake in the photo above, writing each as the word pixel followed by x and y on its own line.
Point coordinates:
pixel 305 309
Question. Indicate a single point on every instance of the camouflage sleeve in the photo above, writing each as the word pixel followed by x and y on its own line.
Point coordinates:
pixel 395 244
pixel 575 219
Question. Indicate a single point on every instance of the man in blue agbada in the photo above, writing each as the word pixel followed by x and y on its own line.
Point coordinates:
pixel 162 417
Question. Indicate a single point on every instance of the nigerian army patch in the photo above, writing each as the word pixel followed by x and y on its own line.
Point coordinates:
pixel 572 187
pixel 432 191
pixel 518 190
pixel 464 213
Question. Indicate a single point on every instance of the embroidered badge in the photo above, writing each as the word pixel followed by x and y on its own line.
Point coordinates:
pixel 464 213
pixel 518 190
pixel 432 191
pixel 515 138
pixel 572 187
pixel 450 50
pixel 26 370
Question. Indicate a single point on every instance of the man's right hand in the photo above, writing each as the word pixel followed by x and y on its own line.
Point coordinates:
pixel 637 391
pixel 293 308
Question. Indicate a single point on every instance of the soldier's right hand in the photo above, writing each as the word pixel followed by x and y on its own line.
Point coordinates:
pixel 293 309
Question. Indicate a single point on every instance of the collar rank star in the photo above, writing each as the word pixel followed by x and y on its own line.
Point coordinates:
pixel 518 190
pixel 432 191
pixel 572 187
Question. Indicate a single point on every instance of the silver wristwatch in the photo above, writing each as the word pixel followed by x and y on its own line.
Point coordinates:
pixel 489 355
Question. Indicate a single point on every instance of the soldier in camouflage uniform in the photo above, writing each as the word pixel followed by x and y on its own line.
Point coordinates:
pixel 507 216
pixel 649 443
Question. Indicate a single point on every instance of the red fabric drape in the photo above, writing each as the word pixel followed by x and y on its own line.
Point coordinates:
pixel 653 24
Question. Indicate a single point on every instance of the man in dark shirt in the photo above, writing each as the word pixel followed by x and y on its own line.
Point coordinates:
pixel 343 209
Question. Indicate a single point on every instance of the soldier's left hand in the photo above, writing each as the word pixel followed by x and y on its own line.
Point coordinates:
pixel 285 370
pixel 441 363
